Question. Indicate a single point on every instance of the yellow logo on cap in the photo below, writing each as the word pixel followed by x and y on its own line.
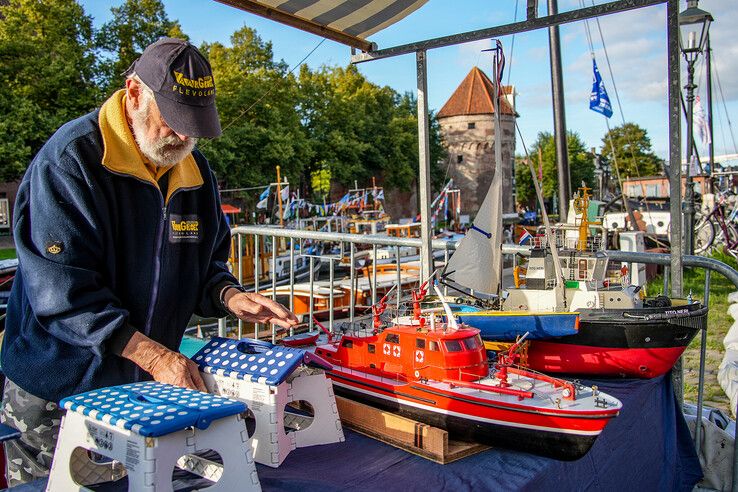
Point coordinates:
pixel 199 83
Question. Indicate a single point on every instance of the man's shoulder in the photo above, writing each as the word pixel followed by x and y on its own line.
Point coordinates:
pixel 78 141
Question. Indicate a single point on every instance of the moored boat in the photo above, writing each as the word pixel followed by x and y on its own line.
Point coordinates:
pixel 645 342
pixel 621 332
pixel 438 374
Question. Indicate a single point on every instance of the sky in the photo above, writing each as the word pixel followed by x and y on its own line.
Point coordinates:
pixel 635 42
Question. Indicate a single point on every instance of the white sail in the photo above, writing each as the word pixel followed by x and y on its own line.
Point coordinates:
pixel 477 261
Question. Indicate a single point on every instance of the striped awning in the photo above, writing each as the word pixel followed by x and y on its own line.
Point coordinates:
pixel 346 21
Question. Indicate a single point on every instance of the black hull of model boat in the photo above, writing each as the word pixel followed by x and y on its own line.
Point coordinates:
pixel 641 343
pixel 559 446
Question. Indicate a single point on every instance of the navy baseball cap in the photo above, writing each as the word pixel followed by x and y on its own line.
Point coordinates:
pixel 183 86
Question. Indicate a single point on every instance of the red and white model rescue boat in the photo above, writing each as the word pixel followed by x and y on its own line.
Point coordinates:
pixel 439 375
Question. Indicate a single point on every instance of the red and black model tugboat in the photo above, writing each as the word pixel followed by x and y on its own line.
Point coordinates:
pixel 438 373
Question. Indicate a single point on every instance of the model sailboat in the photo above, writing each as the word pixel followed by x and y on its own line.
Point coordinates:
pixel 475 268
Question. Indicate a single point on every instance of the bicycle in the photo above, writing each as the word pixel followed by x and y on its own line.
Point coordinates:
pixel 706 235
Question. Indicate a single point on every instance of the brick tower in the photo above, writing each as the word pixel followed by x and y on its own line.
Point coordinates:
pixel 467 123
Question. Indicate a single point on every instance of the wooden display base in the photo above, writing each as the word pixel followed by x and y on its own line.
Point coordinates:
pixel 424 440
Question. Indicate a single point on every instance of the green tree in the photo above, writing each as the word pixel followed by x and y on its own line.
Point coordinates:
pixel 524 191
pixel 46 71
pixel 633 155
pixel 581 166
pixel 358 129
pixel 256 100
pixel 135 25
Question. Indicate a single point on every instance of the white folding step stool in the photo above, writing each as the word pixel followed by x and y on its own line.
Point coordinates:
pixel 148 427
pixel 267 377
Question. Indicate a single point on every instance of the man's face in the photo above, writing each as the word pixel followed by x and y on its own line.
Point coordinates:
pixel 159 143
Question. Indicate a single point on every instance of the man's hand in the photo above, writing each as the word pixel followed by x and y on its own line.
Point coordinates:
pixel 258 309
pixel 163 364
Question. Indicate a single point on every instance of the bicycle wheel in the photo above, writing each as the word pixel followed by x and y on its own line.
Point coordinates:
pixel 704 236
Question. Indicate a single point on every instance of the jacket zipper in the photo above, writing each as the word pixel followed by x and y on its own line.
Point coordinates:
pixel 157 266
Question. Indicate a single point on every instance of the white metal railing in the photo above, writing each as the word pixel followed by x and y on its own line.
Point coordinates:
pixel 346 242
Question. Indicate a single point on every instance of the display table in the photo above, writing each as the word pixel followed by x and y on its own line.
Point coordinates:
pixel 647 447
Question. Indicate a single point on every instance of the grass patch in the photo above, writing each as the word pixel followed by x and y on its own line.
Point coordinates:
pixel 718 324
pixel 7 253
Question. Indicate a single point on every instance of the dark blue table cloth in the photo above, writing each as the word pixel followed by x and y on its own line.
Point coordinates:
pixel 647 447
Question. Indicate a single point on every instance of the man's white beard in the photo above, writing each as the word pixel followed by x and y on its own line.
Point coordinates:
pixel 162 152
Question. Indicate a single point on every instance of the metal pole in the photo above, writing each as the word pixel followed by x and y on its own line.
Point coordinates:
pixel 330 295
pixel 689 188
pixel 675 171
pixel 708 68
pixel 312 298
pixel 557 93
pixel 352 279
pixel 666 281
pixel 399 279
pixel 675 151
pixel 274 279
pixel 701 383
pixel 374 274
pixel 257 263
pixel 240 278
pixel 292 280
pixel 426 254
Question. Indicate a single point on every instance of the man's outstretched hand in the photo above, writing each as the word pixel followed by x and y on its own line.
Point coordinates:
pixel 258 309
pixel 163 364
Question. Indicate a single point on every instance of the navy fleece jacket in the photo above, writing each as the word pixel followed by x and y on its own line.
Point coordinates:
pixel 103 253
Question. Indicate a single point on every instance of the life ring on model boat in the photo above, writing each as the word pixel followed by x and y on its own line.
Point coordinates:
pixel 396 351
pixel 386 349
pixel 419 356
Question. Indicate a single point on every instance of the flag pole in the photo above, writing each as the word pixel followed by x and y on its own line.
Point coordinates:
pixel 279 197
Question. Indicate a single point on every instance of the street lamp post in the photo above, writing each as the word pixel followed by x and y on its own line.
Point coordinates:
pixel 694 24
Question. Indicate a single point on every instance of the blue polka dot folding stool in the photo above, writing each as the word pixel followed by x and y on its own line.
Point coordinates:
pixel 268 378
pixel 150 428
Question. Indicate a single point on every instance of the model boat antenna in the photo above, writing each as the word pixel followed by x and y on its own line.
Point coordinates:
pixel 449 314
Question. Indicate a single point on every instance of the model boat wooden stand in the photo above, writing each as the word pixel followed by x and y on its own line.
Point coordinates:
pixel 268 378
pixel 409 435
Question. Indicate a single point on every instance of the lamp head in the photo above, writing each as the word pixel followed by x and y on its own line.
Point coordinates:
pixel 694 25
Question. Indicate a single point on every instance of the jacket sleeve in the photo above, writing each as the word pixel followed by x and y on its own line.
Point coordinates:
pixel 59 242
pixel 218 274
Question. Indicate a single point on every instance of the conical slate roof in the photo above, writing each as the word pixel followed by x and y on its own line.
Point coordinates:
pixel 475 95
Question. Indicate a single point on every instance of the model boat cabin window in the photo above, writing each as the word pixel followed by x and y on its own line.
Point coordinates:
pixel 370 348
pixel 420 343
pixel 473 343
pixel 348 343
pixel 453 346
pixel 392 338
pixel 433 346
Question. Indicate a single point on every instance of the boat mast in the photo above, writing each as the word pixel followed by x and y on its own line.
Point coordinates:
pixel 560 285
pixel 279 197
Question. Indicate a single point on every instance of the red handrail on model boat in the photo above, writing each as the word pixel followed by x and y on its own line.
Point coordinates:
pixel 493 389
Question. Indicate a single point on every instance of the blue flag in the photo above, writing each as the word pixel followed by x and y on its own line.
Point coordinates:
pixel 598 100
pixel 264 194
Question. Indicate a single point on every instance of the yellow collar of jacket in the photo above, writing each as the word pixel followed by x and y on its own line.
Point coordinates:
pixel 121 154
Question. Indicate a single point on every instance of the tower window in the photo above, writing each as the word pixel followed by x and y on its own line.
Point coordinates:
pixel 471 126
pixel 459 159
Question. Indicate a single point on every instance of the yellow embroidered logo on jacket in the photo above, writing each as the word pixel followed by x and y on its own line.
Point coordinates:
pixel 184 228
pixel 185 225
pixel 55 248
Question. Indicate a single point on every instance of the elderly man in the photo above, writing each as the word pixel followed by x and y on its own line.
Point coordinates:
pixel 120 239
